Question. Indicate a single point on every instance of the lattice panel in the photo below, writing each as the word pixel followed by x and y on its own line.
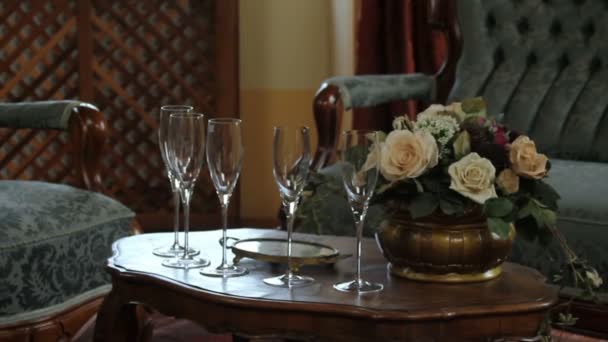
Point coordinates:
pixel 39 61
pixel 144 54
pixel 164 59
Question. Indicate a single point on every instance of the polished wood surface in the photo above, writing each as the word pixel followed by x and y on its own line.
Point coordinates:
pixel 511 305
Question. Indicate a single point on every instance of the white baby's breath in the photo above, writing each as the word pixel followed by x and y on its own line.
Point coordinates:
pixel 441 127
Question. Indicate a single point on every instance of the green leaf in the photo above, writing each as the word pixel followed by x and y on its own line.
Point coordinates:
pixel 423 205
pixel 499 227
pixel 462 145
pixel 544 216
pixel 545 236
pixel 474 106
pixel 498 207
pixel 432 184
pixel 524 211
pixel 451 203
pixel 527 228
pixel 545 194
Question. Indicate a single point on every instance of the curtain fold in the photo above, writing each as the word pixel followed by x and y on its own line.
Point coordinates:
pixel 394 37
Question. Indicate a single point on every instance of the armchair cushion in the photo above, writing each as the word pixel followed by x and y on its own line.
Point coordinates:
pixel 371 90
pixel 54 240
pixel 39 114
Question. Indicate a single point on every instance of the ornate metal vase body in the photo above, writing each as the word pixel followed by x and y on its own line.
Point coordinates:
pixel 442 248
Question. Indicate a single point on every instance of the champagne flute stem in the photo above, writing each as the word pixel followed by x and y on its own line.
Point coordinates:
pixel 290 215
pixel 186 196
pixel 359 224
pixel 224 201
pixel 176 204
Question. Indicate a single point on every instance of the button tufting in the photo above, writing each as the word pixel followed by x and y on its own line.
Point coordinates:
pixel 564 61
pixel 490 21
pixel 499 56
pixel 595 65
pixel 556 28
pixel 523 26
pixel 588 29
pixel 531 59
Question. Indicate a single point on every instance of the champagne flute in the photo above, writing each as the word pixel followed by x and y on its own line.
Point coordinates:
pixel 163 135
pixel 186 154
pixel 291 164
pixel 358 151
pixel 224 159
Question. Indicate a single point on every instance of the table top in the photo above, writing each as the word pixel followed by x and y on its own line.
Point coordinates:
pixel 518 289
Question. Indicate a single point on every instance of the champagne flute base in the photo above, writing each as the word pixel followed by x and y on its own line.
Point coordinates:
pixel 361 286
pixel 174 250
pixel 186 263
pixel 227 271
pixel 289 281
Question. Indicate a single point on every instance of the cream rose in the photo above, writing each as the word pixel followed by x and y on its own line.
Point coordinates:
pixel 433 109
pixel 407 154
pixel 473 177
pixel 508 181
pixel 525 160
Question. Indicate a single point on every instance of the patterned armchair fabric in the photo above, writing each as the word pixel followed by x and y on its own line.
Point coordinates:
pixel 53 241
pixel 543 63
pixel 54 238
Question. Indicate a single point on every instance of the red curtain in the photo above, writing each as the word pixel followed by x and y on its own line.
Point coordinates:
pixel 394 37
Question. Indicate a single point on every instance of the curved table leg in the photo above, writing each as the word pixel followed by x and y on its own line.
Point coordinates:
pixel 116 320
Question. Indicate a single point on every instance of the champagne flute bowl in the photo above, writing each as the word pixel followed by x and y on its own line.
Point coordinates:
pixel 224 159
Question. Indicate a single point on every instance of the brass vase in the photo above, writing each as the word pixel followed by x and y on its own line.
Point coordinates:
pixel 442 248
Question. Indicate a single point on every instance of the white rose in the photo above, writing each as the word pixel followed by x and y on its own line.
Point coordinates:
pixel 473 177
pixel 407 154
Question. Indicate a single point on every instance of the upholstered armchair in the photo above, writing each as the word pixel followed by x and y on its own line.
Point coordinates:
pixel 55 238
pixel 544 64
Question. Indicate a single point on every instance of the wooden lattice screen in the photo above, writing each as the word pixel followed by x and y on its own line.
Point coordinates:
pixel 128 58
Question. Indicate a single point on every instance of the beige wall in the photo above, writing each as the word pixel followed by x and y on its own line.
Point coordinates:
pixel 286 50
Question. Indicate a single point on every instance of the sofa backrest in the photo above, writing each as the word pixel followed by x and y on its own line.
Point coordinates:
pixel 543 63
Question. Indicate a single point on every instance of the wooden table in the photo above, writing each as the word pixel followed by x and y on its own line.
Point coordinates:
pixel 512 305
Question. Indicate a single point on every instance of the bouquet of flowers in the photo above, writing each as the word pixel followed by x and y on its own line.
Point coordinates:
pixel 456 161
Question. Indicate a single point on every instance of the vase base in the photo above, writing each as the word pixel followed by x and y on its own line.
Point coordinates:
pixel 408 273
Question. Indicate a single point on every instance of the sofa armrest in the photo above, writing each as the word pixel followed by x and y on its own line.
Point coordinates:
pixel 338 94
pixel 85 124
pixel 372 90
pixel 39 114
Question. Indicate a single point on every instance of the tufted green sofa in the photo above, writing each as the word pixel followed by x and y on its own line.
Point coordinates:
pixel 55 238
pixel 544 64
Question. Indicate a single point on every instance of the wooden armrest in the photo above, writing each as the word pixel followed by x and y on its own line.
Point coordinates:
pixel 327 109
pixel 88 134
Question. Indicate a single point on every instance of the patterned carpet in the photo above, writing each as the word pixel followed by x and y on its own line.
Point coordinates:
pixel 168 329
